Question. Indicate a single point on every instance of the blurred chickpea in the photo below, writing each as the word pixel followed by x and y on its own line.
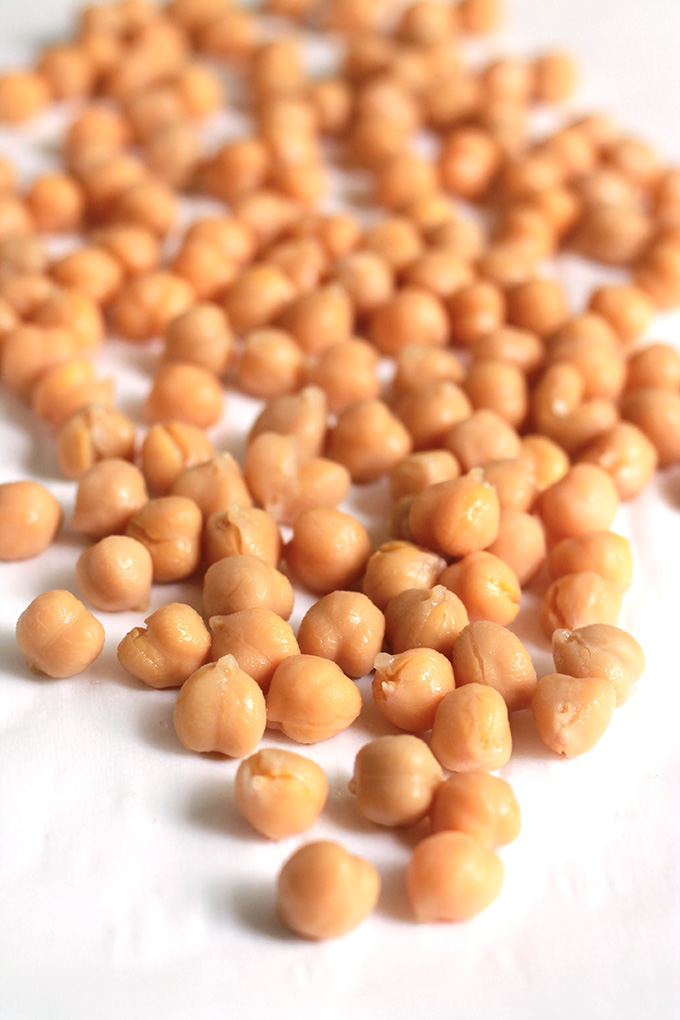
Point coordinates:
pixel 438 271
pixel 394 780
pixel 417 471
pixel 68 71
pixel 319 319
pixel 579 599
pixel 304 262
pixel 28 352
pixel 25 293
pixel 656 412
pixel 93 434
pixel 549 460
pixel 412 316
pixel 554 77
pixel 302 415
pixel 626 308
pixel 500 387
pixel 600 650
pixel 241 529
pixel 200 336
pixel 231 238
pixel 168 449
pixel 572 713
pixel 430 412
pixel 238 168
pixel 9 321
pixel 457 516
pixel 257 297
pixel 172 152
pixel 653 366
pixel 170 528
pixel 451 877
pixel 596 355
pixel 58 636
pixel 584 499
pixel 115 574
pixel 614 235
pixel 310 699
pixel 233 35
pixel 30 518
pixel 147 303
pixel 604 552
pixel 475 310
pixel 70 309
pixel 22 253
pixel 626 454
pixel 368 440
pixel 468 162
pixel 271 364
pixel 67 387
pixel 486 585
pixel 477 804
pixel 403 178
pixel 521 543
pixel 186 392
pixel 174 644
pixel 417 366
pixel 92 270
pixel 396 240
pixel 220 708
pixel 367 277
pixel 331 100
pixel 488 653
pixel 15 217
pixel 245 582
pixel 471 730
pixel 483 436
pixel 215 485
pixel 267 214
pixel 424 618
pixel 513 479
pixel 539 306
pixel 396 566
pixel 257 638
pixel 23 95
pixel 280 793
pixel 203 266
pixel 329 549
pixel 346 372
pixel 346 627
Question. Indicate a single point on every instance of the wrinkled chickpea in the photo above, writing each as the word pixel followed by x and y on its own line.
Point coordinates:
pixel 174 644
pixel 257 638
pixel 30 518
pixel 241 529
pixel 93 434
pixel 310 699
pixel 600 650
pixel 572 713
pixel 424 618
pixel 521 543
pixel 368 440
pixel 396 566
pixel 488 653
pixel 578 599
pixel 58 636
pixel 408 687
pixel 220 708
pixel 245 582
pixel 457 517
pixel 108 496
pixel 280 793
pixel 394 780
pixel 168 449
pixel 214 485
pixel 170 528
pixel 345 627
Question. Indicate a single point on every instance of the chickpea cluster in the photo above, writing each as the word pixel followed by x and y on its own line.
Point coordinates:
pixel 435 358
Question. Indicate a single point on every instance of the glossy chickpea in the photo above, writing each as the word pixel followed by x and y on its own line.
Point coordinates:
pixel 67 387
pixel 115 574
pixel 626 454
pixel 579 599
pixel 200 336
pixel 451 877
pixel 186 392
pixel 300 415
pixel 438 271
pixel 424 618
pixel 238 168
pixel 572 713
pixel 245 582
pixel 109 494
pixel 394 780
pixel 417 366
pixel 458 517
pixel 241 529
pixel 268 215
pixel 346 372
pixel 257 638
pixel 474 311
pixel 516 249
pixel 487 653
pixel 170 528
pixel 479 804
pixel 486 585
pixel 174 644
pixel 584 499
pixel 626 308
pixel 58 636
pixel 147 303
pixel 271 364
pixel 328 550
pixel 408 687
pixel 345 627
pixel 168 449
pixel 481 437
pixel 396 566
pixel 220 708
pixel 231 238
pixel 280 793
pixel 310 699
pixel 500 387
pixel 470 729
pixel 30 518
pixel 600 650
pixel 604 552
pixel 521 543
pixel 368 440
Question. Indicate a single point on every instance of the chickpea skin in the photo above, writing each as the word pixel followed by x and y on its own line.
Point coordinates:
pixel 30 518
pixel 408 687
pixel 174 644
pixel 470 730
pixel 329 549
pixel 108 497
pixel 310 699
pixel 115 574
pixel 280 793
pixel 487 653
pixel 479 804
pixel 245 582
pixel 345 627
pixel 457 517
pixel 58 636
pixel 220 708
pixel 572 713
pixel 394 780
pixel 600 650
pixel 424 618
pixel 451 877
pixel 170 528
pixel 257 638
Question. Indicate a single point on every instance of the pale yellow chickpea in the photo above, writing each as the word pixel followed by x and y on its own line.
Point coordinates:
pixel 482 437
pixel 109 494
pixel 486 585
pixel 626 454
pixel 174 644
pixel 214 485
pixel 115 574
pixel 408 687
pixel 452 877
pixel 170 528
pixel 257 638
pixel 186 392
pixel 600 650
pixel 430 412
pixel 417 366
pixel 302 415
pixel 412 316
pixel 396 566
pixel 329 549
pixel 346 372
pixel 172 151
pixel 30 518
pixel 147 303
pixel 241 529
pixel 270 365
pixel 488 653
pixel 345 627
pixel 319 319
pixel 394 780
pixel 368 440
pixel 280 793
pixel 578 599
pixel 200 336
pixel 23 95
pixel 604 552
pixel 457 517
pixel 168 449
pixel 220 708
pixel 471 730
pixel 65 388
pixel 479 804
pixel 58 636
pixel 93 434
pixel 572 713
pixel 424 618
pixel 366 277
pixel 584 499
pixel 310 699
pixel 245 582
pixel 323 891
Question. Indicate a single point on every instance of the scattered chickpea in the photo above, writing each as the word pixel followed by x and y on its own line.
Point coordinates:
pixel 656 412
pixel 481 437
pixel 345 627
pixel 417 366
pixel 58 636
pixel 186 392
pixel 174 644
pixel 168 449
pixel 394 780
pixel 521 543
pixel 578 599
pixel 479 804
pixel 368 440
pixel 396 566
pixel 280 793
pixel 424 618
pixel 600 650
pixel 486 585
pixel 108 496
pixel 115 574
pixel 200 336
pixel 271 364
pixel 626 454
pixel 257 638
pixel 93 434
pixel 242 529
pixel 409 686
pixel 220 708
pixel 30 518
pixel 572 713
pixel 604 552
pixel 310 699
pixel 627 309
pixel 584 499
pixel 470 729
pixel 303 415
pixel 412 316
pixel 457 517
pixel 346 372
pixel 475 311
pixel 451 877
pixel 488 653
pixel 214 485
pixel 245 582
pixel 320 319
pixel 170 528
pixel 257 297
pixel 514 480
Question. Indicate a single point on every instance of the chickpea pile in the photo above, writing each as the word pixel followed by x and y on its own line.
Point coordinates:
pixel 419 351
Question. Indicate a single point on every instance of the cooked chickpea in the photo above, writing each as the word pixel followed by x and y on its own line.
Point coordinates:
pixel 280 793
pixel 603 552
pixel 319 319
pixel 92 270
pixel 329 549
pixel 214 485
pixel 245 582
pixel 626 454
pixel 600 650
pixel 109 494
pixel 408 687
pixel 58 636
pixel 654 366
pixel 366 277
pixel 595 352
pixel 71 309
pixel 148 302
pixel 572 713
pixel 550 461
pixel 614 235
pixel 168 449
pixel 424 618
pixel 56 202
pixel 513 479
pixel 186 392
pixel 479 804
pixel 242 529
pixel 412 316
pixel 257 638
pixel 346 372
pixel 451 877
pixel 220 708
pixel 554 77
pixel 303 415
pixel 418 366
pixel 172 646
pixel 368 440
pixel 30 517
pixel 584 499
pixel 578 599
pixel 310 699
pixel 471 730
pixel 238 168
pixel 475 311
pixel 656 412
pixel 430 412
pixel 93 434
pixel 29 351
pixel 23 94
pixel 486 585
pixel 468 162
pixel 170 528
pixel 115 574
pixel 626 308
pixel 488 653
pixel 345 627
pixel 457 517
pixel 396 240
pixel 481 437
pixel 521 543
pixel 396 566
pixel 257 297
pixel 271 364
pixel 200 336
pixel 65 388
pixel 439 271
pixel 418 471
pixel 500 387
pixel 323 891
pixel 203 266
pixel 394 780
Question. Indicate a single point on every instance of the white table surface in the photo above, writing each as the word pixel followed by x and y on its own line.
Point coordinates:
pixel 130 889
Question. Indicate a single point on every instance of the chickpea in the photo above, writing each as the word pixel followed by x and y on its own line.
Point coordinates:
pixel 396 240
pixel 418 471
pixel 458 517
pixel 200 336
pixel 626 308
pixel 366 277
pixel 500 387
pixel 22 254
pixel 67 387
pixel 614 235
pixel 170 528
pixel 172 646
pixel 412 316
pixel 115 574
pixel 9 321
pixel 242 529
pixel 439 271
pixel 585 499
pixel 319 319
pixel 475 311
pixel 514 481
pixel 245 582
pixel 572 713
pixel 271 364
pixel 368 440
pixel 346 372
pixel 108 496
pixel 396 566
pixel 28 352
pixel 23 95
pixel 549 460
pixel 257 297
pixel 409 686
pixel 539 306
pixel 654 366
pixel 430 412
pixel 483 436
pixel 596 354
pixel 395 779
pixel 486 585
pixel 304 261
pixel 603 552
pixel 92 270
pixel 579 599
pixel 70 309
pixel 257 638
pixel 329 549
pixel 186 392
pixel 479 804
pixel 600 650
pixel 520 543
pixel 487 653
pixel 268 215
pixel 202 265
pixel 93 434
pixel 280 793
pixel 147 303
pixel 58 636
pixel 468 162
pixel 418 366
pixel 220 708
pixel 626 454
pixel 310 699
pixel 30 517
pixel 470 729
pixel 345 627
pixel 451 877
pixel 424 618
pixel 168 449
pixel 25 293
pixel 656 412
pixel 302 415
pixel 323 891
pixel 554 77
pixel 233 35
pixel 232 239
pixel 214 485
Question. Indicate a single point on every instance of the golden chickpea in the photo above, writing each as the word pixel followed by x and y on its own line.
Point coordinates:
pixel 232 239
pixel 147 303
pixel 411 316
pixel 394 780
pixel 488 653
pixel 431 411
pixel 603 552
pixel 554 77
pixel 267 214
pixel 396 566
pixel 478 804
pixel 656 412
pixel 468 162
pixel 304 262
pixel 396 240
pixel 30 517
pixel 9 321
pixel 539 306
pixel 319 319
pixel 424 618
pixel 271 364
pixel 458 517
pixel 171 151
pixel 233 35
pixel 200 336
pixel 245 582
pixel 14 217
pixel 168 449
pixel 451 877
pixel 368 440
pixel 626 454
pixel 68 70
pixel 521 543
pixel 71 309
pixel 26 292
pixel 109 494
pixel 310 699
pixel 172 646
pixel 186 392
pixel 147 203
pixel 23 94
pixel 572 713
pixel 579 599
pixel 614 235
pixel 345 627
pixel 439 271
pixel 403 178
pixel 170 528
pixel 204 268
pixel 346 372
pixel 500 387
pixel 238 168
pixel 483 436
pixel 654 366
pixel 408 687
pixel 257 638
pixel 257 297
pixel 280 793
pixel 486 585
pixel 242 529
pixel 8 177
pixel 595 352
pixel 22 254
pixel 470 729
pixel 65 388
pixel 302 415
pixel 220 708
pixel 323 891
pixel 366 277
pixel 626 308
pixel 58 636
pixel 600 650
pixel 549 460
pixel 91 270
pixel 328 550
pixel 115 574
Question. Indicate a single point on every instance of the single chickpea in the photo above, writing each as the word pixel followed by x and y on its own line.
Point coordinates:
pixel 304 261
pixel 368 440
pixel 595 352
pixel 323 891
pixel 109 494
pixel 65 388
pixel 470 729
pixel 331 100
pixel 200 89
pixel 168 449
pixel 310 699
pixel 439 271
pixel 268 215
pixel 171 151
pixel 319 319
pixel 147 303
pixel 409 686
pixel 271 364
pixel 572 713
pixel 257 297
pixel 366 277
pixel 451 877
pixel 579 599
pixel 115 574
pixel 91 270
pixel 70 309
pixel 202 265
pixel 475 310
pixel 257 638
pixel 346 372
pixel 25 293
pixel 412 316
pixel 147 203
pixel 56 203
pixel 280 793
pixel 500 387
pixel 394 780
pixel 656 412
pixel 539 306
pixel 345 627
pixel 396 240
pixel 245 582
pixel 22 254
pixel 424 618
pixel 486 585
pixel 328 550
pixel 483 436
pixel 170 528
pixel 627 309
pixel 302 415
pixel 430 411
pixel 23 95
pixel 600 650
pixel 232 239
pixel 550 461
pixel 635 159
pixel 30 518
pixel 654 366
pixel 513 479
pixel 521 543
pixel 396 566
pixel 468 162
pixel 487 653
pixel 584 499
pixel 404 178
pixel 554 77
pixel 478 804
pixel 93 434
pixel 417 471
pixel 458 517
pixel 614 235
pixel 172 646
pixel 58 636
pixel 233 35
pixel 186 392
pixel 603 552
pixel 200 336
pixel 241 529
pixel 626 454
pixel 28 352
pixel 220 708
